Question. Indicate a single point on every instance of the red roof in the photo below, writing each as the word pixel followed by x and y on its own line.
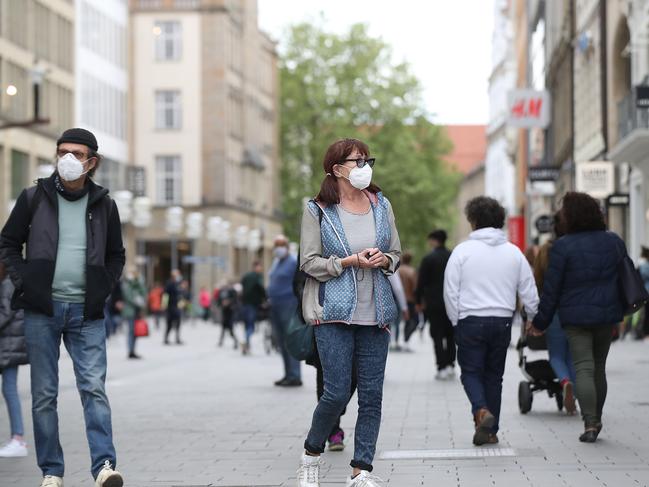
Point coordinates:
pixel 469 146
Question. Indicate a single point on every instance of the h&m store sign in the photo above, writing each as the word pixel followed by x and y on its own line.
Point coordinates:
pixel 528 109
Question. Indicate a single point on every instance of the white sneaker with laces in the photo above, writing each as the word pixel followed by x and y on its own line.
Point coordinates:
pixel 308 475
pixel 108 477
pixel 52 481
pixel 364 479
pixel 14 448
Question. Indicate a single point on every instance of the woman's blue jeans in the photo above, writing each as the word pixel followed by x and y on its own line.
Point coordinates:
pixel 10 393
pixel 339 346
pixel 559 351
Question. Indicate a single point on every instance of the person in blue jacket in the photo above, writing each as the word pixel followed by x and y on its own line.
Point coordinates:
pixel 581 283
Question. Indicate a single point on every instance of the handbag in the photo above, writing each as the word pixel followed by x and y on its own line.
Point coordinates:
pixel 300 338
pixel 632 290
pixel 141 328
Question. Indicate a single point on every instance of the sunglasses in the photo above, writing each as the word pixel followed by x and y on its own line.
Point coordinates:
pixel 360 162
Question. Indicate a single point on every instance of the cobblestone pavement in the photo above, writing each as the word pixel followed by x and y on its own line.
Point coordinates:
pixel 199 415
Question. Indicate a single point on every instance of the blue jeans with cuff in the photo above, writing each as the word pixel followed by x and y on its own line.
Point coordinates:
pixel 482 344
pixel 85 341
pixel 339 346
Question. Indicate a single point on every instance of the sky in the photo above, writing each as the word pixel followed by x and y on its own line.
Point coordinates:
pixel 447 43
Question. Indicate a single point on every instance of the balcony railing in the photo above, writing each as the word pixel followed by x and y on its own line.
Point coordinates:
pixel 629 117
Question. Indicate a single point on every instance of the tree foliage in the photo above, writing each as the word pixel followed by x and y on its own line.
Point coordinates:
pixel 346 85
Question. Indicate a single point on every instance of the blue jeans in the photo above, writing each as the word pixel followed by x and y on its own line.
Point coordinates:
pixel 85 341
pixel 131 336
pixel 482 344
pixel 339 346
pixel 249 318
pixel 559 351
pixel 10 393
pixel 280 316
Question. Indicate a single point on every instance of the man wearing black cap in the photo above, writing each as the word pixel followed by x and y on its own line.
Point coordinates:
pixel 74 255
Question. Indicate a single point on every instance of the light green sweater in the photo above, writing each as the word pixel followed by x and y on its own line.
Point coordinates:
pixel 69 284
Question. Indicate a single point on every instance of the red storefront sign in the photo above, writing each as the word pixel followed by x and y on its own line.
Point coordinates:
pixel 516 231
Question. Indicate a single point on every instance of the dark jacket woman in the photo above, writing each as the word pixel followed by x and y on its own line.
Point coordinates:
pixel 582 284
pixel 12 335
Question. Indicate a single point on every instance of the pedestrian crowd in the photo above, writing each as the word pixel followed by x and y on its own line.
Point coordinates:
pixel 349 298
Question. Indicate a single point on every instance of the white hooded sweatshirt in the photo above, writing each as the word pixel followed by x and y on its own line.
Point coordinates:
pixel 484 275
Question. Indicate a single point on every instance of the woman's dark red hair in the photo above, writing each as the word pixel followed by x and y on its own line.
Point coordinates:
pixel 336 154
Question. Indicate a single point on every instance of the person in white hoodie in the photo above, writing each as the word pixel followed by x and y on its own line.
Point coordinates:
pixel 482 280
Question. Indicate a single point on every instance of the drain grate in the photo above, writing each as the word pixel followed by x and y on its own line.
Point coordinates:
pixel 447 454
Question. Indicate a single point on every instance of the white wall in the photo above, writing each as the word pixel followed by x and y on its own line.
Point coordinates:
pixel 150 75
pixel 101 55
pixel 499 167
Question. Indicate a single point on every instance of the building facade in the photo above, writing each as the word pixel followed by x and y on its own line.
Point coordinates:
pixel 629 147
pixel 101 80
pixel 205 81
pixel 500 171
pixel 36 48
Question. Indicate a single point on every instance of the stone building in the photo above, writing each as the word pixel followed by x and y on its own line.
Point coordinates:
pixel 204 80
pixel 36 49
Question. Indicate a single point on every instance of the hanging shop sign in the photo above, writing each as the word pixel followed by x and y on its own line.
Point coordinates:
pixel 544 224
pixel 543 173
pixel 596 178
pixel 528 109
pixel 618 199
pixel 642 96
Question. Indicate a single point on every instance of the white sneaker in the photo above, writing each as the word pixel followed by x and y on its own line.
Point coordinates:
pixel 308 475
pixel 52 481
pixel 449 372
pixel 108 477
pixel 364 479
pixel 14 448
pixel 441 375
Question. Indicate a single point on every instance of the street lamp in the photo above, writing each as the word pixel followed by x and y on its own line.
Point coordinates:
pixel 141 219
pixel 174 226
pixel 37 75
pixel 218 232
pixel 123 200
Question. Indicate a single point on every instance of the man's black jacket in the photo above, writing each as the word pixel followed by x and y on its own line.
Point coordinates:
pixel 430 283
pixel 34 223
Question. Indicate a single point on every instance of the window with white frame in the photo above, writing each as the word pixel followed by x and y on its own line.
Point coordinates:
pixel 168 180
pixel 168 110
pixel 168 40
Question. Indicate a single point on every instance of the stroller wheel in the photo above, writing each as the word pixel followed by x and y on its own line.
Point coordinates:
pixel 525 397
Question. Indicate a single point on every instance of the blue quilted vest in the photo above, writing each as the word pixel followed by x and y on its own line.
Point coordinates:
pixel 338 296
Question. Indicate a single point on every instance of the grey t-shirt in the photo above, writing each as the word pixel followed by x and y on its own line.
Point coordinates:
pixel 69 284
pixel 360 231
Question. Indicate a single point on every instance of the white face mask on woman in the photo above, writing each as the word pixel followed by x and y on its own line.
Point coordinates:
pixel 70 168
pixel 359 178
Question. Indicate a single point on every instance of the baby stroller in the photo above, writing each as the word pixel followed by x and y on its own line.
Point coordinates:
pixel 539 374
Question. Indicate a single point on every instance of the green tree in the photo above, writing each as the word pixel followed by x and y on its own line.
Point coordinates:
pixel 346 85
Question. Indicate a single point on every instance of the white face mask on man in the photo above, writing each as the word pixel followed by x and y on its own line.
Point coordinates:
pixel 70 168
pixel 280 252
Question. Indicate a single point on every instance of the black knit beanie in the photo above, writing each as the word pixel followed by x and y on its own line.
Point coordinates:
pixel 79 136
